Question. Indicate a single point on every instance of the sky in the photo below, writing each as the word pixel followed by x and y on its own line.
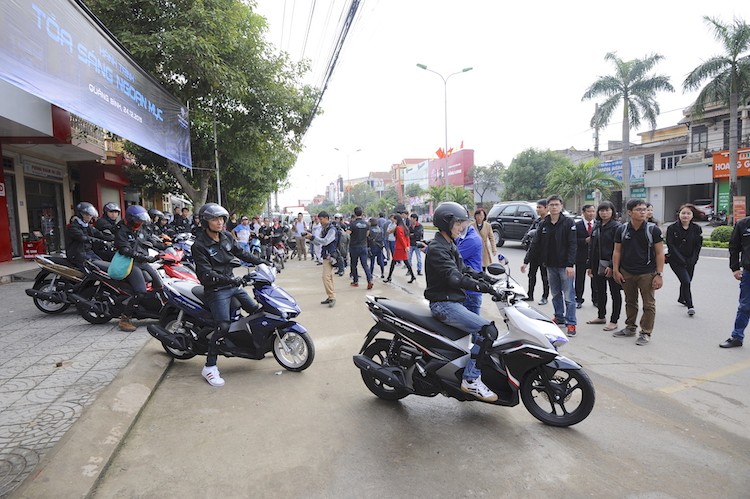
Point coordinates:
pixel 531 63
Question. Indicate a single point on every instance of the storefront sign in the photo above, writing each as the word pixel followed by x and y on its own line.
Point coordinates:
pixel 638 193
pixel 614 168
pixel 739 208
pixel 42 171
pixel 55 50
pixel 721 163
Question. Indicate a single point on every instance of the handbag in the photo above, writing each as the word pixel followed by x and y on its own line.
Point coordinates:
pixel 120 266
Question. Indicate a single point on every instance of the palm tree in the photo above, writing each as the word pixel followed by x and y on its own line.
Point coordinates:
pixel 436 194
pixel 636 89
pixel 574 181
pixel 730 80
pixel 461 195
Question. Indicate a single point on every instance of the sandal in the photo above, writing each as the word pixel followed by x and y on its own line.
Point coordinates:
pixel 596 321
pixel 609 328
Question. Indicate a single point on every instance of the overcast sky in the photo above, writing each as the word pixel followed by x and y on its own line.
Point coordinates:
pixel 531 61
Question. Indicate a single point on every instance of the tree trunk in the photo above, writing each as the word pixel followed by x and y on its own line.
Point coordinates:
pixel 625 156
pixel 733 155
pixel 197 196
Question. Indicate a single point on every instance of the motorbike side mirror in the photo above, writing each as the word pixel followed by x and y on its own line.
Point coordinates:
pixel 496 269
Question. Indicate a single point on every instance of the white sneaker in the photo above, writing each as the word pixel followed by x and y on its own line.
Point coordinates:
pixel 478 389
pixel 212 376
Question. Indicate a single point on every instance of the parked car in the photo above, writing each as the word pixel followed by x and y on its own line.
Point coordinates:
pixel 705 208
pixel 511 220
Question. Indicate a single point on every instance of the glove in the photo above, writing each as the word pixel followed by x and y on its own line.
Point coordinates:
pixel 491 280
pixel 152 259
pixel 485 287
pixel 237 281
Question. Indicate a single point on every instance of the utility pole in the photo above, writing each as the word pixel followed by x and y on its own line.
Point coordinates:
pixel 596 131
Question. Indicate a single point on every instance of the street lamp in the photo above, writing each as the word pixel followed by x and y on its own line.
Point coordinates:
pixel 445 93
pixel 348 179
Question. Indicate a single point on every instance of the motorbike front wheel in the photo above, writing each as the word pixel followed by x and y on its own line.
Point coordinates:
pixel 294 351
pixel 378 351
pixel 48 307
pixel 558 398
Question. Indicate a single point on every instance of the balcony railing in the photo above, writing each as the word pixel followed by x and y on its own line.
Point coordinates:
pixel 85 131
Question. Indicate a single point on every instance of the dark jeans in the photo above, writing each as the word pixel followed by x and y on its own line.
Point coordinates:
pixel 376 253
pixel 473 302
pixel 580 285
pixel 359 253
pixel 743 309
pixel 533 268
pixel 219 303
pixel 685 274
pixel 600 283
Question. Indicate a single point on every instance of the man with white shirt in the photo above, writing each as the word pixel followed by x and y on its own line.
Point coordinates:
pixel 583 235
pixel 300 231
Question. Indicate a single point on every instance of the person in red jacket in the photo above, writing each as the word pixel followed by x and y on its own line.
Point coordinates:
pixel 402 246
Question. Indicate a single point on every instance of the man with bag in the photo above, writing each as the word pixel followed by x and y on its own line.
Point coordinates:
pixel 328 242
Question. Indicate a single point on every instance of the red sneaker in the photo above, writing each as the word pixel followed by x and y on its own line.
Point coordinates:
pixel 571 330
pixel 369 285
pixel 354 284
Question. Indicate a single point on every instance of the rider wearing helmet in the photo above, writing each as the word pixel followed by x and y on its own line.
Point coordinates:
pixel 108 220
pixel 213 251
pixel 154 230
pixel 81 236
pixel 131 240
pixel 447 278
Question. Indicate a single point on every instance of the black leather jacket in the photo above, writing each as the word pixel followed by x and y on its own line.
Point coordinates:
pixel 130 242
pixel 602 243
pixel 446 274
pixel 81 239
pixel 105 223
pixel 213 258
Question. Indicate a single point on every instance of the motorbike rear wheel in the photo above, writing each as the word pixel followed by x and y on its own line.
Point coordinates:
pixel 295 352
pixel 170 324
pixel 378 351
pixel 558 398
pixel 48 307
pixel 90 294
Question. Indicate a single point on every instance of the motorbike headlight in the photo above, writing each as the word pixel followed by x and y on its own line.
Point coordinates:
pixel 557 340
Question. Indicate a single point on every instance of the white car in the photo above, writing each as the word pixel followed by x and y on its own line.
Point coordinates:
pixel 704 206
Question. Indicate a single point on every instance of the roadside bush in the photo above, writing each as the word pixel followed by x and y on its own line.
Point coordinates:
pixel 722 233
pixel 707 243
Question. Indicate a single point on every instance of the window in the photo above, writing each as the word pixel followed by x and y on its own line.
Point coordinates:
pixel 649 162
pixel 508 211
pixel 525 211
pixel 725 143
pixel 699 138
pixel 670 159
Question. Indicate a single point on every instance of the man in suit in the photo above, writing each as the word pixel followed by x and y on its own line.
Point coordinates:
pixel 583 233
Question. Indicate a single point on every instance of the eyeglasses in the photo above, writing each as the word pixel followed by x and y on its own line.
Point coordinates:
pixel 639 209
pixel 553 205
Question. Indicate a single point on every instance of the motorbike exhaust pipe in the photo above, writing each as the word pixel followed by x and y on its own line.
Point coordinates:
pixel 54 297
pixel 164 336
pixel 391 376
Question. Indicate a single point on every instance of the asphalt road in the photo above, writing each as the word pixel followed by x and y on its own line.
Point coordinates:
pixel 669 420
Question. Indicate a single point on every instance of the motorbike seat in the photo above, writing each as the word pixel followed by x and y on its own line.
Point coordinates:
pixel 60 260
pixel 421 316
pixel 200 293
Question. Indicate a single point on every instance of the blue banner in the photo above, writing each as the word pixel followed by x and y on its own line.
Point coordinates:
pixel 55 50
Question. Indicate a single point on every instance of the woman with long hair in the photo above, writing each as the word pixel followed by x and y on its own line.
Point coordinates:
pixel 684 240
pixel 400 248
pixel 601 248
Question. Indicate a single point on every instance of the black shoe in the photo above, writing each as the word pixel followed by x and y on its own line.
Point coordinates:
pixel 387 280
pixel 412 280
pixel 528 298
pixel 681 301
pixel 579 305
pixel 419 272
pixel 731 343
pixel 326 301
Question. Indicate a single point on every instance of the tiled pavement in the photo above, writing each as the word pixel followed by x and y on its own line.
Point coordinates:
pixel 51 367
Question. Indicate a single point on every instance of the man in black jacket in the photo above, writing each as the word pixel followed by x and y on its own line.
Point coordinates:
pixel 82 237
pixel 447 278
pixel 214 250
pixel 739 264
pixel 584 227
pixel 554 245
pixel 535 266
pixel 416 235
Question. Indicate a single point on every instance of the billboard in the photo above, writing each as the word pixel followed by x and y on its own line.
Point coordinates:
pixel 721 163
pixel 460 164
pixel 57 51
pixel 614 168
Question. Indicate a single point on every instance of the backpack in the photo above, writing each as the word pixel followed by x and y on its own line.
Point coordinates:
pixel 342 239
pixel 376 236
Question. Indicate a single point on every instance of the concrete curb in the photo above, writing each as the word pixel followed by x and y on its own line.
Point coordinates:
pixel 73 468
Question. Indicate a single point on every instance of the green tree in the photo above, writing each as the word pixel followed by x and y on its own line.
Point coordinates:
pixel 212 55
pixel 729 75
pixel 487 178
pixel 385 203
pixel 413 190
pixel 634 87
pixel 436 194
pixel 525 178
pixel 460 195
pixel 575 181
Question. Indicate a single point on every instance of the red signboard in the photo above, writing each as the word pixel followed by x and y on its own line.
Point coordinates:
pixel 721 163
pixel 739 208
pixel 460 164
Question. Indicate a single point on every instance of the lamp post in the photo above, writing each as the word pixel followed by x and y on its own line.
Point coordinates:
pixel 445 94
pixel 348 179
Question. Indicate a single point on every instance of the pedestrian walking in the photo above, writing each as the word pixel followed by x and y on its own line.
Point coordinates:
pixel 739 264
pixel 328 243
pixel 375 242
pixel 400 247
pixel 484 231
pixel 536 266
pixel 317 230
pixel 416 235
pixel 638 263
pixel 299 230
pixel 359 229
pixel 684 242
pixel 584 228
pixel 391 238
pixel 601 248
pixel 554 245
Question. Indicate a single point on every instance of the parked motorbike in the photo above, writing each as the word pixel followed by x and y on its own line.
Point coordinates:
pixel 54 283
pixel 184 242
pixel 185 324
pixel 423 356
pixel 100 298
pixel 717 219
pixel 279 254
pixel 255 248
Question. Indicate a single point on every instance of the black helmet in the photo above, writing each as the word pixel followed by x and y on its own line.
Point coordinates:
pixel 448 213
pixel 86 209
pixel 111 207
pixel 137 214
pixel 209 211
pixel 154 213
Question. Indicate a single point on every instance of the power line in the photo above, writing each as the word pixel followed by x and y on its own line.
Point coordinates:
pixel 309 23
